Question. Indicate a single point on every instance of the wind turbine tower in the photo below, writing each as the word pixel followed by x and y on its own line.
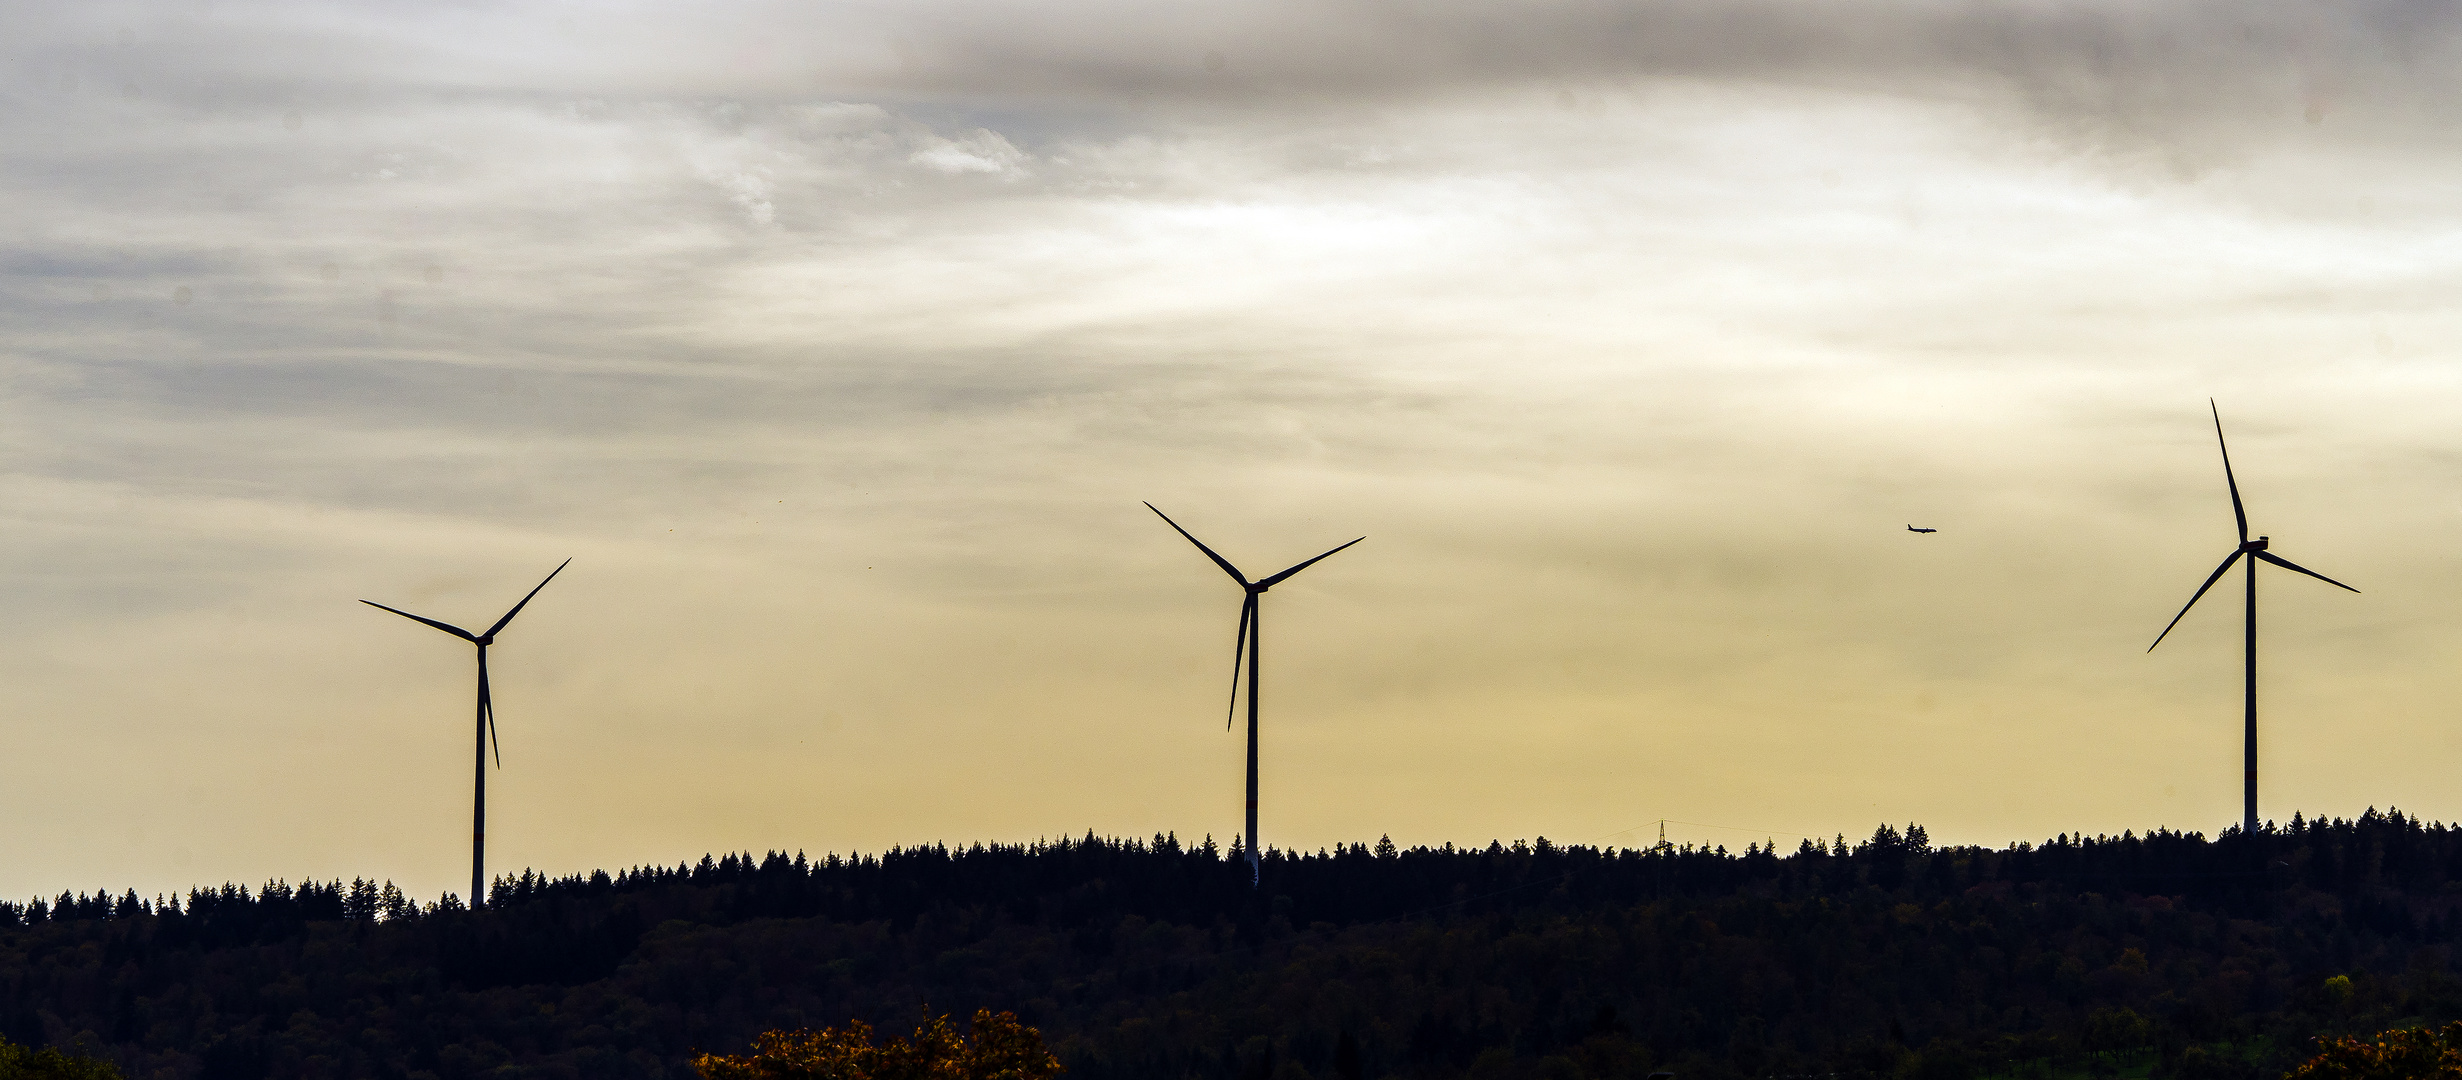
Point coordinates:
pixel 2257 552
pixel 1245 648
pixel 486 730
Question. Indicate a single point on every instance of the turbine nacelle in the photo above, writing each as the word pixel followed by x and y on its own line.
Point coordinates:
pixel 2257 544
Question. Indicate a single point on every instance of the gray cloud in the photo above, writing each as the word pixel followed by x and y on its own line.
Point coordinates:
pixel 2164 67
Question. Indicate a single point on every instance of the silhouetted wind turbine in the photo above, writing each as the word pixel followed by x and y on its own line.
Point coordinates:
pixel 1245 647
pixel 2256 552
pixel 487 727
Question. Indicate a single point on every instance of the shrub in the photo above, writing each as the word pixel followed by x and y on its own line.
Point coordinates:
pixel 997 1048
pixel 2402 1054
pixel 27 1063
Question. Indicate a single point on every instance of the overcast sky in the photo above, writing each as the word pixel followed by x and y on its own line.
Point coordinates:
pixel 838 344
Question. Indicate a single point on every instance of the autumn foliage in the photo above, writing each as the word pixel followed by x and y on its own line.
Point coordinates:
pixel 997 1048
pixel 2405 1054
pixel 27 1063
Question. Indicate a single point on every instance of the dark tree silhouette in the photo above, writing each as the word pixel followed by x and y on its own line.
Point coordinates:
pixel 1888 957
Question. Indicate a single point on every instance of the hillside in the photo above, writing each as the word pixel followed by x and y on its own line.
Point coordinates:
pixel 2167 952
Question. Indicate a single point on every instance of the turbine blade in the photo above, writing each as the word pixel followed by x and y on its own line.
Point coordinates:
pixel 487 708
pixel 2289 565
pixel 2237 513
pixel 449 628
pixel 1239 652
pixel 2192 601
pixel 1209 552
pixel 525 601
pixel 1277 579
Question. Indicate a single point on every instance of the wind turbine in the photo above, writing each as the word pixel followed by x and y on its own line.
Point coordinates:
pixel 2256 552
pixel 486 727
pixel 1245 648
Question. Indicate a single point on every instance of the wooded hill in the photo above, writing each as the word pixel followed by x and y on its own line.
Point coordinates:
pixel 1149 959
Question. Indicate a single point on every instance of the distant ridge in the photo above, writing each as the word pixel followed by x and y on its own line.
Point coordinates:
pixel 1152 958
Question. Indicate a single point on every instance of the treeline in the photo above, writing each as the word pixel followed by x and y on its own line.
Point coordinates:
pixel 2210 958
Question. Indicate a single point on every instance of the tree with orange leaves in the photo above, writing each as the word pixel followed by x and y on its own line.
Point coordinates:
pixel 2405 1054
pixel 997 1048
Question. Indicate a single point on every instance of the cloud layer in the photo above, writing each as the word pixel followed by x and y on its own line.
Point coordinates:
pixel 839 346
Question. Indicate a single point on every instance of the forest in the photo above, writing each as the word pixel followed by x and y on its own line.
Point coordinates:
pixel 2166 954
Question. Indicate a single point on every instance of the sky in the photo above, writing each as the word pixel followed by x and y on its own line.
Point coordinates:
pixel 839 344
